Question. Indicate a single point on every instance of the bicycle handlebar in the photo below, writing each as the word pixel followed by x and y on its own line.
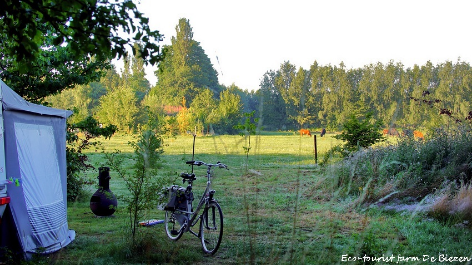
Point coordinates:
pixel 199 163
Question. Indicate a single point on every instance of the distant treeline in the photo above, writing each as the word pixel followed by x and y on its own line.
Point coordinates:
pixel 325 96
pixel 188 97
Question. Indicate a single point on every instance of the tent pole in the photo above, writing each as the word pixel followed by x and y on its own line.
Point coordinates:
pixel 3 173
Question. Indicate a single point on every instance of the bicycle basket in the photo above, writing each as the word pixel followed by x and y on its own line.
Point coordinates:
pixel 177 199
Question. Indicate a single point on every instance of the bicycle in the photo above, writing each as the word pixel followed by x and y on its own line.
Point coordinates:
pixel 180 216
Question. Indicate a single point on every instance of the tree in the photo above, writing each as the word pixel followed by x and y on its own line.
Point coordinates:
pixel 144 182
pixel 314 99
pixel 202 106
pixel 186 69
pixel 204 75
pixel 47 46
pixel 297 95
pixel 184 119
pixel 330 98
pixel 272 107
pixel 89 27
pixel 360 132
pixel 228 112
pixel 76 99
pixel 284 78
pixel 83 99
pixel 118 107
pixel 111 79
pixel 54 69
pixel 134 76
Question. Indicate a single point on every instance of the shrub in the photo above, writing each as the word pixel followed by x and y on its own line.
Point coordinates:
pixel 77 161
pixel 360 132
pixel 246 130
pixel 144 184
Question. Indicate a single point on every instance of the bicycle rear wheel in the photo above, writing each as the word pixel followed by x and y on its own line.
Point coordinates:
pixel 211 228
pixel 174 225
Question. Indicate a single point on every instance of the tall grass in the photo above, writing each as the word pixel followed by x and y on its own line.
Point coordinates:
pixel 409 170
pixel 453 204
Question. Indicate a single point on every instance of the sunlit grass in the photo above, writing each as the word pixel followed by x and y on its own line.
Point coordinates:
pixel 291 144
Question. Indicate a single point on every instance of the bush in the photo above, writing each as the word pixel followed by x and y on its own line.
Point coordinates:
pixel 143 184
pixel 360 132
pixel 89 128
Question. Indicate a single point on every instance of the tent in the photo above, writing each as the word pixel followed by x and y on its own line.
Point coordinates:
pixel 34 154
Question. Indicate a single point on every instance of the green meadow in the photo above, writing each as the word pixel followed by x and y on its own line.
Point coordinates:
pixel 277 210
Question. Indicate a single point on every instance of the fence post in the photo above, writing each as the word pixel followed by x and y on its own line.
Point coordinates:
pixel 316 151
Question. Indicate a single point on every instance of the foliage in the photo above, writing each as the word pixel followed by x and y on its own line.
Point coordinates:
pixel 186 69
pixel 246 130
pixel 77 160
pixel 119 107
pixel 53 70
pixel 394 94
pixel 203 107
pixel 272 107
pixel 48 46
pixel 89 27
pixel 133 74
pixel 323 96
pixel 360 132
pixel 293 85
pixel 83 99
pixel 143 184
pixel 183 119
pixel 399 97
pixel 228 111
pixel 283 80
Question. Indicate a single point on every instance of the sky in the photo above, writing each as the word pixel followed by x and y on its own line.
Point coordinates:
pixel 245 39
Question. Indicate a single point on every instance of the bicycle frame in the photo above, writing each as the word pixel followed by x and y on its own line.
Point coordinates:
pixel 207 197
pixel 204 200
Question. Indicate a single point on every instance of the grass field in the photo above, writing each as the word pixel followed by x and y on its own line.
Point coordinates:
pixel 275 212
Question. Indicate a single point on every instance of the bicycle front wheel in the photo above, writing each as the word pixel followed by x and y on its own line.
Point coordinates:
pixel 174 228
pixel 211 228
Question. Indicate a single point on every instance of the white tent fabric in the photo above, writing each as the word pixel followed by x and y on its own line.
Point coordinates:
pixel 35 142
pixel 37 157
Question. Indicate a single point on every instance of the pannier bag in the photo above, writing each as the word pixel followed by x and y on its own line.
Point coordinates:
pixel 177 199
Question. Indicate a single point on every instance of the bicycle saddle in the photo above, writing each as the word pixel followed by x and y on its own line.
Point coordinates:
pixel 188 176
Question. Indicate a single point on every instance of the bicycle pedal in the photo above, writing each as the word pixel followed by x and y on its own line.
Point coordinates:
pixel 174 232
